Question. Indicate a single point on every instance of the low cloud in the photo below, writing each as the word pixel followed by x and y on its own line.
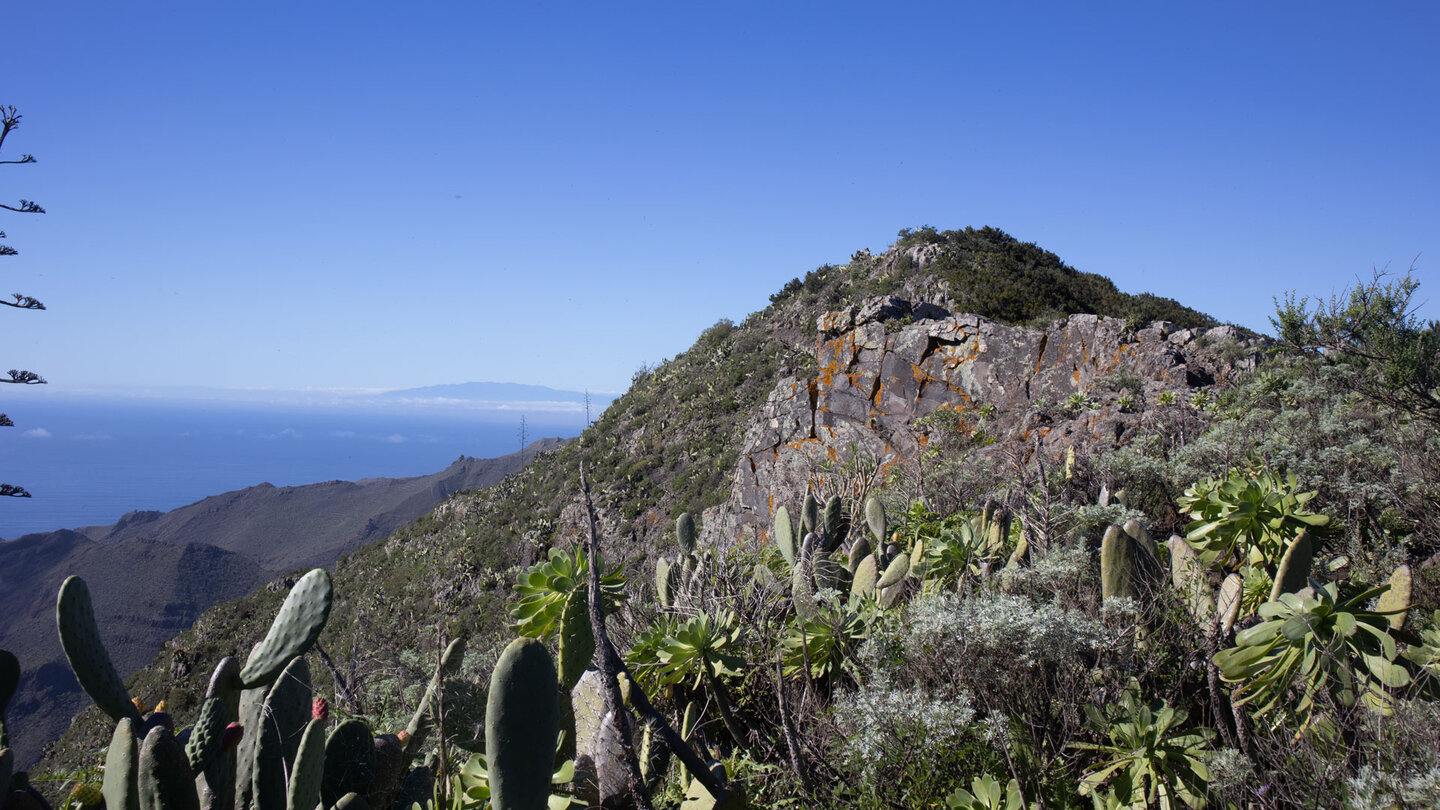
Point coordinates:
pixel 395 438
pixel 287 433
pixel 36 433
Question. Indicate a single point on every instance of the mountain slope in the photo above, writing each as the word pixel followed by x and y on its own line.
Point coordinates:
pixel 673 442
pixel 153 573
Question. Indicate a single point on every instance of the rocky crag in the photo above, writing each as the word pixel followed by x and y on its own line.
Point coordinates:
pixel 887 363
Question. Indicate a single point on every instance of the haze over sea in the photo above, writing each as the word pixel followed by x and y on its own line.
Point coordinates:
pixel 89 460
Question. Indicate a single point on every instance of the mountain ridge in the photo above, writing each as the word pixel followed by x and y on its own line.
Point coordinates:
pixel 214 550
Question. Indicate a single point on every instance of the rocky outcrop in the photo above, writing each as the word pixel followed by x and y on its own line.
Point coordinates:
pixel 886 363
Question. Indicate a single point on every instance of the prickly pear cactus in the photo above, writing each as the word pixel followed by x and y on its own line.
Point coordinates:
pixel 1117 564
pixel 303 792
pixel 164 778
pixel 1294 570
pixel 785 535
pixel 875 519
pixel 832 521
pixel 663 582
pixel 1227 604
pixel 1396 601
pixel 577 641
pixel 810 515
pixel 1187 575
pixel 522 722
pixel 866 575
pixel 685 532
pixel 75 620
pixel 349 762
pixel 122 762
pixel 294 630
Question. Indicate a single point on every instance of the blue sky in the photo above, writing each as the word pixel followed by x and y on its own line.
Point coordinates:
pixel 367 195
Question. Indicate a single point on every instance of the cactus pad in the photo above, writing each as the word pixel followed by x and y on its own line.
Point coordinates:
pixel 303 792
pixel 875 519
pixel 75 619
pixel 1117 564
pixel 577 641
pixel 1294 571
pixel 1396 601
pixel 685 532
pixel 294 630
pixel 164 778
pixel 785 535
pixel 349 762
pixel 522 722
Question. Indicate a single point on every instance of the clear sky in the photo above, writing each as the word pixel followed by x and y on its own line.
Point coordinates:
pixel 354 194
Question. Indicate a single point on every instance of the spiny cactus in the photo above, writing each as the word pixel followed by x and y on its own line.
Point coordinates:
pixel 1293 573
pixel 685 533
pixel 1187 575
pixel 875 520
pixel 294 630
pixel 164 778
pixel 810 514
pixel 866 576
pixel 121 767
pixel 522 723
pixel 1396 601
pixel 785 535
pixel 349 762
pixel 831 523
pixel 80 638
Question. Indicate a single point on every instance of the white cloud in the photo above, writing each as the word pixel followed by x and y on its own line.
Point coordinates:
pixel 36 433
pixel 395 438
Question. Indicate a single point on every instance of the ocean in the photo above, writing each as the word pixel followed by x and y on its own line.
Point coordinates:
pixel 86 461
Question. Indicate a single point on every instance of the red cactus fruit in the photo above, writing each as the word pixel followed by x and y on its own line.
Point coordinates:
pixel 233 733
pixel 320 709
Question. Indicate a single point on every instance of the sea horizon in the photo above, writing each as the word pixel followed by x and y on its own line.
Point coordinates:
pixel 89 460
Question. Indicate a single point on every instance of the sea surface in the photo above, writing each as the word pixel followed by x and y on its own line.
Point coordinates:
pixel 86 462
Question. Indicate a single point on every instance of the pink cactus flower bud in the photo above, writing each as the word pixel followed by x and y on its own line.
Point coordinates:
pixel 233 733
pixel 320 709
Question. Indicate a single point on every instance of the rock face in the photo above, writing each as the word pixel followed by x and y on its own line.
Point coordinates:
pixel 885 363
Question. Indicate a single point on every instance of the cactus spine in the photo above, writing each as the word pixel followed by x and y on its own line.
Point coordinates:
pixel 521 724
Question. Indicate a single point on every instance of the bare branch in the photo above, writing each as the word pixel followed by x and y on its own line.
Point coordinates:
pixel 610 661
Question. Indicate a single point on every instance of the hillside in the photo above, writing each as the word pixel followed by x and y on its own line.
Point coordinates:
pixel 153 573
pixel 673 442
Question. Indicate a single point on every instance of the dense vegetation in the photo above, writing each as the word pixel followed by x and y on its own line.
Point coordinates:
pixel 1023 639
